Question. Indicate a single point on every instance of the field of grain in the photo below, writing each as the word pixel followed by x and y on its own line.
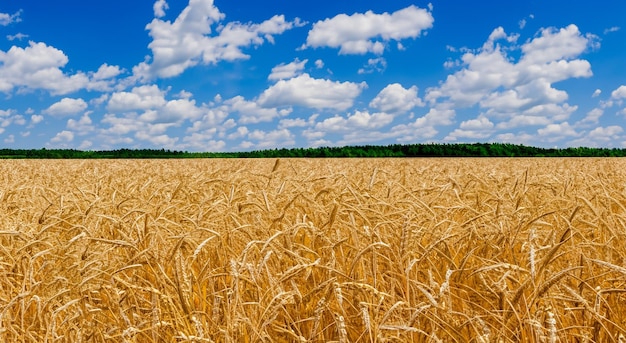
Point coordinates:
pixel 347 250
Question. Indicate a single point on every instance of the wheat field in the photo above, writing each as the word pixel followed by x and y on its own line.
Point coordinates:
pixel 302 250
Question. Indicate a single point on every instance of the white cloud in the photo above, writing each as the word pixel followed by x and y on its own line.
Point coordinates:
pixel 147 115
pixel 612 29
pixel 378 64
pixel 36 119
pixel 159 8
pixel 66 106
pixel 10 117
pixel 518 93
pixel 467 134
pixel 241 132
pixel 81 126
pixel 63 137
pixel 360 33
pixel 596 93
pixel 521 120
pixel 38 66
pixel 287 71
pixel 592 116
pixel 211 118
pixel 163 140
pixel 203 142
pixel 425 127
pixel 106 72
pixel 319 64
pixel 545 61
pixel 517 138
pixel 6 19
pixel 139 98
pixel 120 126
pixel 251 112
pixel 10 139
pixel 18 36
pixel 174 111
pixel 99 100
pixel 555 132
pixel 553 45
pixel 186 42
pixel 606 133
pixel 396 99
pixel 522 23
pixel 271 139
pixel 479 128
pixel 304 90
pixel 86 144
pixel 610 136
pixel 359 120
pixel 288 123
pixel 480 123
pixel 619 93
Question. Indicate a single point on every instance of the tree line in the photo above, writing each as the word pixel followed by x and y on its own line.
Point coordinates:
pixel 394 150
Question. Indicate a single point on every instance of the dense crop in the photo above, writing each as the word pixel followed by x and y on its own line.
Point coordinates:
pixel 422 250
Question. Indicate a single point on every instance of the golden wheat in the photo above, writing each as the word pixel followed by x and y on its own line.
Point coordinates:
pixel 347 250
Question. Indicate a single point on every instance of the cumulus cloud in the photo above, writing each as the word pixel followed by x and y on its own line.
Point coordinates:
pixel 63 137
pixel 619 93
pixel 203 142
pixel 38 66
pixel 36 119
pixel 287 71
pixel 66 106
pixel 146 114
pixel 304 90
pixel 554 45
pixel 479 128
pixel 190 40
pixel 351 128
pixel 241 132
pixel 606 133
pixel 519 92
pixel 592 117
pixel 82 126
pixel 425 127
pixel 361 120
pixel 106 72
pixel 162 140
pixel 251 112
pixel 396 99
pixel 139 98
pixel 610 136
pixel 269 139
pixel 86 144
pixel 9 117
pixel 361 33
pixel 555 132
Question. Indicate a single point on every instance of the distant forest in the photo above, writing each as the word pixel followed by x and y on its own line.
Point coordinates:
pixel 395 150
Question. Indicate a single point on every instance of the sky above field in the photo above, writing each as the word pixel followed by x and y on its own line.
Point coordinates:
pixel 204 75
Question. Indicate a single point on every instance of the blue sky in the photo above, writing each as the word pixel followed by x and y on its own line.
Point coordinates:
pixel 204 75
